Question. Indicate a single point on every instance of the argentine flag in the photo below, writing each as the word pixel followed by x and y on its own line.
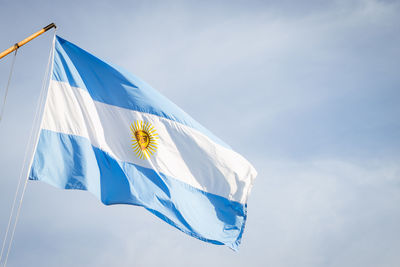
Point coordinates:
pixel 106 131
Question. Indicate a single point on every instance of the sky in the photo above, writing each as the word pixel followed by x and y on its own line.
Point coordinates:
pixel 307 91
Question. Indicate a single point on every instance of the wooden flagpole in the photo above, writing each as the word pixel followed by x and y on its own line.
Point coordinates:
pixel 28 39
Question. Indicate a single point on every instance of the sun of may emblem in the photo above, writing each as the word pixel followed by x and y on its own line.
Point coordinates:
pixel 144 139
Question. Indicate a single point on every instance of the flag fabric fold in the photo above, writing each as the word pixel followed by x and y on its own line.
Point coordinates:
pixel 106 131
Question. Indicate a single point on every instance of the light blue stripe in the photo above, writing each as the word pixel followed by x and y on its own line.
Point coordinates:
pixel 115 86
pixel 71 162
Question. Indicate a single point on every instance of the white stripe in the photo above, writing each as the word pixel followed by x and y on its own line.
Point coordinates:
pixel 182 152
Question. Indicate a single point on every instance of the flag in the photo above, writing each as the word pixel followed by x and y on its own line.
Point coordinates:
pixel 106 131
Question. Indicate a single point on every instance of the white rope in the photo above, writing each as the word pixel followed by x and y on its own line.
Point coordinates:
pixel 29 148
pixel 19 182
pixel 8 85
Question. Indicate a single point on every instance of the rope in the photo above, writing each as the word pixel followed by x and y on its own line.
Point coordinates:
pixel 8 85
pixel 29 148
pixel 19 182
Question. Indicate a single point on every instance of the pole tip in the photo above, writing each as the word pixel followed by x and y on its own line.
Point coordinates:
pixel 48 27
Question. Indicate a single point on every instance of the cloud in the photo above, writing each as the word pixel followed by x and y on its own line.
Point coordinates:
pixel 325 213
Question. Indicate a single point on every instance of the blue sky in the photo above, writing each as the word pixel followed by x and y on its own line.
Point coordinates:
pixel 308 91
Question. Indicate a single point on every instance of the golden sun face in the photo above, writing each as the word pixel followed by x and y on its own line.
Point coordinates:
pixel 144 139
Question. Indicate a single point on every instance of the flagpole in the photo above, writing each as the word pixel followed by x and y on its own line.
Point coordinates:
pixel 26 40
